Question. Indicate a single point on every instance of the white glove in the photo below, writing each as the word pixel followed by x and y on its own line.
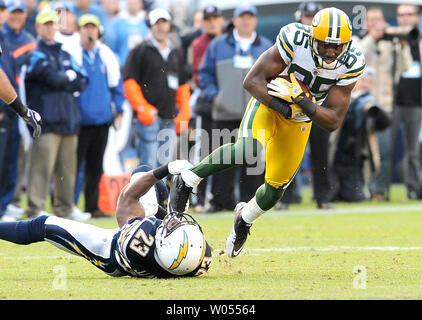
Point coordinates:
pixel 71 75
pixel 177 166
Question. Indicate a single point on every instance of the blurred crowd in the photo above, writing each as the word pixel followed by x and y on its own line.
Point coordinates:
pixel 84 64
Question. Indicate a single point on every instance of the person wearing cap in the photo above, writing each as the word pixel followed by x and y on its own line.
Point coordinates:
pixel 52 81
pixel 129 28
pixel 227 60
pixel 213 22
pixel 21 44
pixel 306 12
pixel 10 105
pixel 156 86
pixel 100 105
pixel 20 41
pixel 357 142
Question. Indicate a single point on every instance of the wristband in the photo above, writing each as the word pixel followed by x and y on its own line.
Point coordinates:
pixel 19 107
pixel 308 107
pixel 161 172
pixel 281 107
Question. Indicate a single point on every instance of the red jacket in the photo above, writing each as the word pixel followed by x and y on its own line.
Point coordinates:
pixel 199 46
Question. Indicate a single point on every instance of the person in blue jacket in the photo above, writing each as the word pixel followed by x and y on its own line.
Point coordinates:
pixel 100 105
pixel 53 80
pixel 225 64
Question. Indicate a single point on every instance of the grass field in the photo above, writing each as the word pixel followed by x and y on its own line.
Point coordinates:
pixel 301 253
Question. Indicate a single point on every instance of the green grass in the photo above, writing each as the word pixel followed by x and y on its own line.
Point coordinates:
pixel 301 253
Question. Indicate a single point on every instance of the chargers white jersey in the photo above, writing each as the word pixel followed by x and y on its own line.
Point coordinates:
pixel 294 47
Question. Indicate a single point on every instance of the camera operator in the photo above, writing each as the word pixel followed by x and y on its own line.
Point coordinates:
pixel 357 155
pixel 408 100
pixel 389 57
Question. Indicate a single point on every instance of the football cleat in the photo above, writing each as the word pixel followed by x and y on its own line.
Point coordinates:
pixel 237 238
pixel 179 195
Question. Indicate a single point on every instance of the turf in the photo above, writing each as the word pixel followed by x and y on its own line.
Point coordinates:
pixel 301 253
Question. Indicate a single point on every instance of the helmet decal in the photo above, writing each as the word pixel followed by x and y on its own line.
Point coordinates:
pixel 177 252
pixel 316 20
pixel 182 252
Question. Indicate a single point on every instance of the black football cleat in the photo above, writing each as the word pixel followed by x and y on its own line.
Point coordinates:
pixel 179 195
pixel 237 238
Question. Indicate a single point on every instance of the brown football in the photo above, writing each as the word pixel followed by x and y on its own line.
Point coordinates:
pixel 302 85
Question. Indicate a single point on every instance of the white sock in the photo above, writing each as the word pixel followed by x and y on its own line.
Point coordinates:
pixel 190 178
pixel 251 211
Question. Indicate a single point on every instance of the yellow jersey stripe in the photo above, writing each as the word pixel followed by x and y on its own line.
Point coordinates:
pixel 351 75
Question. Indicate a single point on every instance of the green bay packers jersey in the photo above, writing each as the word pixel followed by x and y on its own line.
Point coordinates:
pixel 294 47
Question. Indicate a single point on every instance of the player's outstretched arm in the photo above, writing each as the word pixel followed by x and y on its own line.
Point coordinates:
pixel 128 205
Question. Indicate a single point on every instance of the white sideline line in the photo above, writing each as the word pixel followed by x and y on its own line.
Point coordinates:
pixel 351 210
pixel 333 248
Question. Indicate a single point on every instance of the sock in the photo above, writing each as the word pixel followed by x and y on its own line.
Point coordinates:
pixel 251 211
pixel 23 232
pixel 190 178
pixel 267 196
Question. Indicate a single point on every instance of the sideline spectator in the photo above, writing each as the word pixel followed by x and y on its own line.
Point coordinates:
pixel 213 22
pixel 20 43
pixel 408 101
pixel 112 9
pixel 227 60
pixel 8 95
pixel 53 78
pixel 389 59
pixel 99 104
pixel 357 143
pixel 156 86
pixel 130 29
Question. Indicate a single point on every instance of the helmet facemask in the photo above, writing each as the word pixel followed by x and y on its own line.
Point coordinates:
pixel 320 59
pixel 330 26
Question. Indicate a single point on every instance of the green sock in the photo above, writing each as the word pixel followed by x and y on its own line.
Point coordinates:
pixel 267 196
pixel 227 156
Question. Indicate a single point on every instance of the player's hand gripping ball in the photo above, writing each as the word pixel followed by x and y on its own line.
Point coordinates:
pixel 288 88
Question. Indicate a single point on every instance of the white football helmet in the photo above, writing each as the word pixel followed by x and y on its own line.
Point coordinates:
pixel 179 243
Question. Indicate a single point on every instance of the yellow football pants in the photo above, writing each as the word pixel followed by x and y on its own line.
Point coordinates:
pixel 284 141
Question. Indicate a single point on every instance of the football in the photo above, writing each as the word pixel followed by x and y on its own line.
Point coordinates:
pixel 302 85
